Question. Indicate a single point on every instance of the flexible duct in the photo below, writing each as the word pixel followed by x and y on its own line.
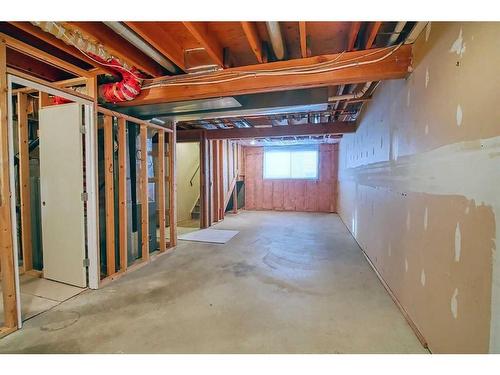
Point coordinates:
pixel 274 31
pixel 124 90
pixel 395 34
pixel 355 95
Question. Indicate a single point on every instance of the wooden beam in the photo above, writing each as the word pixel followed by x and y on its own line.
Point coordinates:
pixel 135 120
pixel 274 131
pixel 222 207
pixel 250 30
pixel 161 39
pixel 161 189
pixel 172 205
pixel 24 181
pixel 6 245
pixel 303 39
pixel 358 69
pixel 199 30
pixel 119 47
pixel 353 34
pixel 109 195
pixel 144 193
pixel 44 56
pixel 53 41
pixel 372 34
pixel 235 200
pixel 32 66
pixel 122 192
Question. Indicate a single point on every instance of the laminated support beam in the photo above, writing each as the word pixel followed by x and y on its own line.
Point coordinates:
pixel 353 67
pixel 6 245
pixel 144 193
pixel 336 128
pixel 109 195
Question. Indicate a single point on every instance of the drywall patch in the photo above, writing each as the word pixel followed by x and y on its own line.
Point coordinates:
pixel 458 45
pixel 422 277
pixel 426 130
pixel 454 303
pixel 408 221
pixel 427 31
pixel 406 265
pixel 389 249
pixel 426 77
pixel 459 115
pixel 408 97
pixel 426 218
pixel 458 243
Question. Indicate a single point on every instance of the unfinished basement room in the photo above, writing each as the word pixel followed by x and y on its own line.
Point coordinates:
pixel 249 187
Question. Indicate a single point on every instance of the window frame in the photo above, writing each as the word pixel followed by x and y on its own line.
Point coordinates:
pixel 291 149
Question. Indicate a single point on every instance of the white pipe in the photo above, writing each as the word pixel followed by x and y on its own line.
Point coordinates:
pixel 395 34
pixel 354 95
pixel 140 44
pixel 274 31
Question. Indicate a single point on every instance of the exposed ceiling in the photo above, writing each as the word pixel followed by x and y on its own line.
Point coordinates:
pixel 171 51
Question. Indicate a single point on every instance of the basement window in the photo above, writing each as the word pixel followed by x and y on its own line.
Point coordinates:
pixel 291 162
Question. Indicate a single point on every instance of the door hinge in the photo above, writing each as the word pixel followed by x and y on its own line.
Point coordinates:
pixel 86 262
pixel 85 197
pixel 83 129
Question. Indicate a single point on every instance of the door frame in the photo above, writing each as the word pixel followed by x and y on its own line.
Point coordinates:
pixel 90 178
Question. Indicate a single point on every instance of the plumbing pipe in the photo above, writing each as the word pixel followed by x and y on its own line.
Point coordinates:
pixel 395 34
pixel 140 44
pixel 274 31
pixel 354 95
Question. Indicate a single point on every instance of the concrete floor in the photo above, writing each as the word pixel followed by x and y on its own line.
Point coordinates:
pixel 287 283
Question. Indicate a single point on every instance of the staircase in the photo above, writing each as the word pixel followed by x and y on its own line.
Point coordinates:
pixel 195 212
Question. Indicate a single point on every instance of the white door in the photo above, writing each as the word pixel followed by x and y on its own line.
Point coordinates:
pixel 61 187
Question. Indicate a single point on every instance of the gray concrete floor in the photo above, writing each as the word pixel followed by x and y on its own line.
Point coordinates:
pixel 287 283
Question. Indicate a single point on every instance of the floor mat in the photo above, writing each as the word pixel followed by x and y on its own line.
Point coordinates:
pixel 209 235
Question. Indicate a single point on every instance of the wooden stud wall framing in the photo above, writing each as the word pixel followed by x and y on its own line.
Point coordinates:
pixel 112 272
pixel 6 245
pixel 109 195
pixel 24 181
pixel 122 192
pixel 161 188
pixel 172 139
pixel 144 193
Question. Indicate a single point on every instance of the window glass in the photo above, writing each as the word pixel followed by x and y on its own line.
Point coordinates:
pixel 291 163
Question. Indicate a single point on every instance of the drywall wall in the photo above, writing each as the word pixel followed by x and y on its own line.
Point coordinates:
pixel 188 160
pixel 291 195
pixel 418 186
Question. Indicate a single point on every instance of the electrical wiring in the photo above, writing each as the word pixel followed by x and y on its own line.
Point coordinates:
pixel 248 74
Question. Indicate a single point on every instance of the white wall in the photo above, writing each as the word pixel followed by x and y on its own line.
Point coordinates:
pixel 188 159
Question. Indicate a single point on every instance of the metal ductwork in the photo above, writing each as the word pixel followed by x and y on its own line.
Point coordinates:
pixel 274 31
pixel 140 44
pixel 395 34
pixel 354 95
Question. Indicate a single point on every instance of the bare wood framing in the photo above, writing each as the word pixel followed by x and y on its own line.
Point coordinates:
pixel 372 34
pixel 109 195
pixel 222 206
pixel 235 200
pixel 303 38
pixel 339 127
pixel 357 68
pixel 44 56
pixel 144 193
pixel 199 30
pixel 137 121
pixel 6 245
pixel 215 172
pixel 161 188
pixel 24 179
pixel 122 191
pixel 250 30
pixel 353 34
pixel 172 139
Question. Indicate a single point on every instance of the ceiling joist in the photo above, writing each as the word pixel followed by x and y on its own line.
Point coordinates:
pixel 199 30
pixel 250 30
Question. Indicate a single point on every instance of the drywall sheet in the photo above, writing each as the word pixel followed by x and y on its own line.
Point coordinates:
pixel 209 235
pixel 292 195
pixel 418 186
